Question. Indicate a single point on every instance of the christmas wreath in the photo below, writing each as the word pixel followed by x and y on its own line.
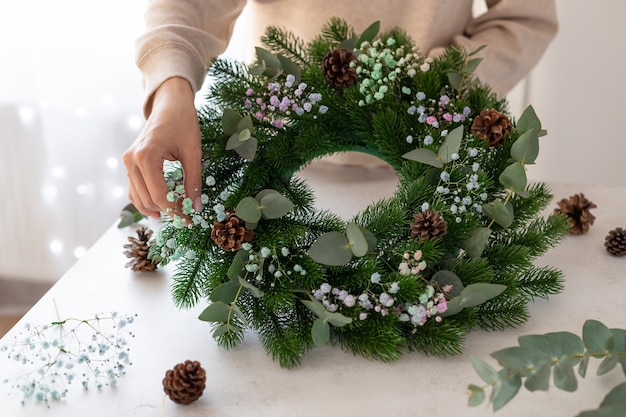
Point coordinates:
pixel 450 251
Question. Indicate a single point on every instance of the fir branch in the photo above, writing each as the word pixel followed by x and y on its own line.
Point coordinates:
pixel 187 282
pixel 286 43
pixel 439 339
pixel 540 282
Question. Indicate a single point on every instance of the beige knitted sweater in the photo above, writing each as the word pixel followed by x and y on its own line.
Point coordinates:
pixel 182 36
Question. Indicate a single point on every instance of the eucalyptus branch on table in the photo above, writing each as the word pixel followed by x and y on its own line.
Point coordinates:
pixel 539 356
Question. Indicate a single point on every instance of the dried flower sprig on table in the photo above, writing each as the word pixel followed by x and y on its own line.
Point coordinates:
pixel 92 353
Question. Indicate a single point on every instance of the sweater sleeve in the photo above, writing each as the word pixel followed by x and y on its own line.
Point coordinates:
pixel 181 39
pixel 516 32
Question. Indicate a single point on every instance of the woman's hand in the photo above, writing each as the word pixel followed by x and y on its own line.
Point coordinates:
pixel 170 133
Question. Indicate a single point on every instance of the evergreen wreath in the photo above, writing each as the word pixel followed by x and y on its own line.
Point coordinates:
pixel 450 251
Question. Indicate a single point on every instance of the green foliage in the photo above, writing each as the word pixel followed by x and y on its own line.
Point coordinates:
pixel 371 283
pixel 540 358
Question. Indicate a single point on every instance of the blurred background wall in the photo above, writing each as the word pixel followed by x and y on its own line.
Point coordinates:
pixel 70 104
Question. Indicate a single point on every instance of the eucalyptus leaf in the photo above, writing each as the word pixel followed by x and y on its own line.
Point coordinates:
pixel 509 385
pixel 608 411
pixel 356 239
pixel 237 311
pixel 126 219
pixel 249 210
pixel 230 118
pixel 225 292
pixel 331 248
pixel 478 293
pixel 484 370
pixel 271 63
pixel 620 345
pixel 476 242
pixel 597 337
pixel 217 311
pixel 337 319
pixel 290 67
pixel 454 78
pixel 320 332
pixel 522 360
pixel 451 145
pixel 238 264
pixel 528 120
pixel 476 395
pixel 233 142
pixel 425 156
pixel 245 124
pixel 247 149
pixel 540 379
pixel 501 214
pixel 608 363
pixel 564 376
pixel 223 329
pixel 263 193
pixel 526 148
pixel 244 135
pixel 453 307
pixel 275 205
pixel 570 344
pixel 369 33
pixel 316 307
pixel 444 277
pixel 256 292
pixel 370 238
pixel 541 343
pixel 349 44
pixel 616 397
pixel 477 50
pixel 472 64
pixel 514 178
pixel 584 364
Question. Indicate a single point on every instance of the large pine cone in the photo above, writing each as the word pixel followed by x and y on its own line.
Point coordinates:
pixel 615 242
pixel 491 126
pixel 428 224
pixel 231 233
pixel 576 208
pixel 137 249
pixel 185 383
pixel 337 68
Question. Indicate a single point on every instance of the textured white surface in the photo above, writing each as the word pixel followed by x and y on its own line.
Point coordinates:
pixel 330 382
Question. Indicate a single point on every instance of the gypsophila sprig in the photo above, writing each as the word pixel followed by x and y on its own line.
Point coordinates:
pixel 75 353
pixel 389 279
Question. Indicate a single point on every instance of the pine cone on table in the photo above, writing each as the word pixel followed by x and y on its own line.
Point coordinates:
pixel 428 224
pixel 491 126
pixel 185 383
pixel 231 233
pixel 137 249
pixel 337 68
pixel 576 208
pixel 615 242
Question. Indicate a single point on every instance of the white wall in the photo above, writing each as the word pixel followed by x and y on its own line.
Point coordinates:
pixel 579 91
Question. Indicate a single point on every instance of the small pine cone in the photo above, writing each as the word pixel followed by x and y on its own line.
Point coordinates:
pixel 615 242
pixel 230 233
pixel 185 383
pixel 576 208
pixel 336 66
pixel 491 126
pixel 138 249
pixel 428 224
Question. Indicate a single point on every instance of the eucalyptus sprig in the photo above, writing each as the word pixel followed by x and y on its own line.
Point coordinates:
pixel 556 355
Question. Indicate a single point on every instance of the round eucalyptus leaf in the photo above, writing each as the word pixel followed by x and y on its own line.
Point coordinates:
pixel 597 337
pixel 425 156
pixel 542 343
pixel 337 319
pixel 528 120
pixel 245 124
pixel 331 248
pixel 248 210
pixel 233 142
pixel 484 370
pixel 316 307
pixel 223 329
pixel 521 359
pixel 514 178
pixel 444 277
pixel 453 307
pixel 230 118
pixel 508 388
pixel 616 397
pixel 263 193
pixel 270 61
pixel 476 395
pixel 257 293
pixel 569 343
pixel 275 205
pixel 247 149
pixel 539 380
pixel 290 67
pixel 225 292
pixel 564 376
pixel 526 148
pixel 476 242
pixel 238 263
pixel 244 135
pixel 320 332
pixel 356 239
pixel 501 214
pixel 217 311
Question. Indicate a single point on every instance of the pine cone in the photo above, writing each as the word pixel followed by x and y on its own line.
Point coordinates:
pixel 138 249
pixel 428 224
pixel 336 66
pixel 576 208
pixel 491 126
pixel 230 233
pixel 615 242
pixel 185 383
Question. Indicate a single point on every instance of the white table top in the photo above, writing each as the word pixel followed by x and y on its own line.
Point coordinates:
pixel 246 382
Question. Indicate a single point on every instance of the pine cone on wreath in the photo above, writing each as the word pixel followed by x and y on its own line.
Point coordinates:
pixel 491 126
pixel 576 208
pixel 336 66
pixel 428 224
pixel 231 233
pixel 137 249
pixel 185 383
pixel 615 242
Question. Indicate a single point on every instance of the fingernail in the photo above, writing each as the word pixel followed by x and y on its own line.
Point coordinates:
pixel 197 204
